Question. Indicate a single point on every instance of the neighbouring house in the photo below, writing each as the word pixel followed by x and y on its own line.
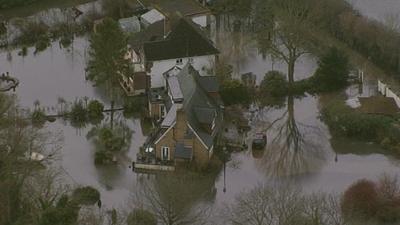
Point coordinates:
pixel 191 114
pixel 158 48
pixel 130 25
pixel 191 9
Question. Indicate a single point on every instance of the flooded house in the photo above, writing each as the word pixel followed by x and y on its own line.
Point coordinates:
pixel 172 33
pixel 192 119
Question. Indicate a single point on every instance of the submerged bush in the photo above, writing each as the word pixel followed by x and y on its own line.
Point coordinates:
pixel 38 117
pixel 141 217
pixel 234 92
pixel 78 113
pixel 95 111
pixel 134 107
pixel 274 84
pixel 86 195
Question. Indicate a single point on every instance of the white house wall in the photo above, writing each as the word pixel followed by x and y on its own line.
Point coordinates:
pixel 200 20
pixel 201 63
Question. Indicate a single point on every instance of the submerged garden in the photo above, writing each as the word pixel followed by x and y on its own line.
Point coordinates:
pixel 325 162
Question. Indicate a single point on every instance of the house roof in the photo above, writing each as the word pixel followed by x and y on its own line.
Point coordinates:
pixel 173 83
pixel 130 25
pixel 209 83
pixel 378 105
pixel 185 40
pixel 152 16
pixel 198 105
pixel 184 7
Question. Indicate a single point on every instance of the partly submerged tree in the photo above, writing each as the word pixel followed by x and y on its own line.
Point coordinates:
pixel 287 33
pixel 108 47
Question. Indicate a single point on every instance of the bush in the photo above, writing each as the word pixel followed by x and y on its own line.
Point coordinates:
pixel 342 120
pixel 102 157
pixel 274 84
pixel 141 217
pixel 78 114
pixel 360 200
pixel 86 195
pixel 234 92
pixel 333 71
pixel 38 117
pixel 95 111
pixel 133 107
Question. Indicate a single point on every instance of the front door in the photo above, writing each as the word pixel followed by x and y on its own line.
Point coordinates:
pixel 165 153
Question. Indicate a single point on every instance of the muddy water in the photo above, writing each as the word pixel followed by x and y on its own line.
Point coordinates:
pixel 60 73
pixel 377 9
pixel 313 161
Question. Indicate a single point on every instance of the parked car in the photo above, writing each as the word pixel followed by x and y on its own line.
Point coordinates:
pixel 259 141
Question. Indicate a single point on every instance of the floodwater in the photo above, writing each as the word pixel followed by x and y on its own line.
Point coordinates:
pixel 377 9
pixel 312 160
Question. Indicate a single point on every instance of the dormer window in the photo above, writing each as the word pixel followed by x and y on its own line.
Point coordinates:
pixel 179 61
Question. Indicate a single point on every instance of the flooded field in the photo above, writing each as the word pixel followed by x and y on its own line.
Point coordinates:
pixel 312 160
pixel 377 9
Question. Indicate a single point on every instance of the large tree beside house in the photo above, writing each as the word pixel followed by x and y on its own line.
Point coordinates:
pixel 107 62
pixel 287 34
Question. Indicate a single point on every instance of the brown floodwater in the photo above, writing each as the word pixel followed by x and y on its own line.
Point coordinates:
pixel 311 160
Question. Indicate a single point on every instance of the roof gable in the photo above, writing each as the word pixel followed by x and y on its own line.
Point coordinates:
pixel 185 40
pixel 184 7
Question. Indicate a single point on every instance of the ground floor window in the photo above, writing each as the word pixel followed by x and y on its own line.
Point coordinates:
pixel 164 153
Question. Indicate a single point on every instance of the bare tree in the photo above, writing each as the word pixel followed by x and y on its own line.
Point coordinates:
pixel 283 205
pixel 175 200
pixel 289 33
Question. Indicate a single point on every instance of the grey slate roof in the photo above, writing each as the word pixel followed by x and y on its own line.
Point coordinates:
pixel 209 83
pixel 196 101
pixel 185 40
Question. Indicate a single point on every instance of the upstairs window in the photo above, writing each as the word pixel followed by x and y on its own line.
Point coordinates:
pixel 179 61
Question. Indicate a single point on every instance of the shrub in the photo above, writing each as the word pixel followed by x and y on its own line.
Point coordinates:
pixel 374 201
pixel 86 195
pixel 134 107
pixel 78 114
pixel 360 200
pixel 102 157
pixel 38 117
pixel 141 217
pixel 95 111
pixel 274 84
pixel 234 92
pixel 332 73
pixel 342 120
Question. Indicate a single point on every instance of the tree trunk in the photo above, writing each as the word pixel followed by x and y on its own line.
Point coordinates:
pixel 112 114
pixel 291 72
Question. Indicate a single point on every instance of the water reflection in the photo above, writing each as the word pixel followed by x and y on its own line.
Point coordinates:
pixel 178 198
pixel 294 147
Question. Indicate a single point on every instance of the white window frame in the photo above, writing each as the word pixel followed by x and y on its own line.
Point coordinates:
pixel 164 150
pixel 179 61
pixel 163 111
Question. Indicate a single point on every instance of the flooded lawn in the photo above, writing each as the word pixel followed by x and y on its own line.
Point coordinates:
pixel 377 9
pixel 299 150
